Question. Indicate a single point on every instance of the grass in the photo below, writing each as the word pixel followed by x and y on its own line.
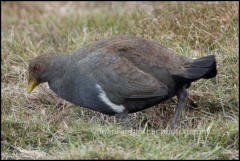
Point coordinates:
pixel 43 126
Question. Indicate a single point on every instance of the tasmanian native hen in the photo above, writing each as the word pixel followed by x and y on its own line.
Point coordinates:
pixel 121 75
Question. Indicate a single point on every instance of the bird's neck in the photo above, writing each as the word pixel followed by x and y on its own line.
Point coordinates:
pixel 58 67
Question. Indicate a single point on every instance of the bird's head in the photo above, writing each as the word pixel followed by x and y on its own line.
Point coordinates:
pixel 39 70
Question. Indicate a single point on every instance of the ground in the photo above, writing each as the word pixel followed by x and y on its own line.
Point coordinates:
pixel 41 125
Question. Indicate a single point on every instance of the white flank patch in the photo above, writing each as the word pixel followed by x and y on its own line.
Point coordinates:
pixel 103 96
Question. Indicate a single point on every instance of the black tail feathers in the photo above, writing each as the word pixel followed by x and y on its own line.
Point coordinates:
pixel 204 67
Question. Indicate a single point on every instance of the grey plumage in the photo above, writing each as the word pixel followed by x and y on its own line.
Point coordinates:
pixel 133 72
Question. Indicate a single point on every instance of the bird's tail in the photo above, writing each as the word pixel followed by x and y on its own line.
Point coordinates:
pixel 204 67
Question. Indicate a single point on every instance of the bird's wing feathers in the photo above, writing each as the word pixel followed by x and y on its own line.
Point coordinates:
pixel 118 76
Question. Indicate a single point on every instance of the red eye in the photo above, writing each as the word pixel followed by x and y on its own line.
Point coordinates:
pixel 36 67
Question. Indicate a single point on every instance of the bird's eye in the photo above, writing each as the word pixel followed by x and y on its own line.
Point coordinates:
pixel 36 67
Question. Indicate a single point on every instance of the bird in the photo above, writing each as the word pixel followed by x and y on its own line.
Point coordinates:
pixel 120 75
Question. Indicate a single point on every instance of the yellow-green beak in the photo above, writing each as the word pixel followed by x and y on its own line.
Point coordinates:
pixel 32 83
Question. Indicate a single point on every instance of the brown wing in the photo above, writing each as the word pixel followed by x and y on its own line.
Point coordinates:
pixel 118 76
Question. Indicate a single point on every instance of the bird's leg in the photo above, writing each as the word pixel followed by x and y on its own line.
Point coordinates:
pixel 182 96
pixel 123 116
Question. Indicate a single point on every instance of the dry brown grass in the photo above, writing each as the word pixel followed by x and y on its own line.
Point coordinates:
pixel 43 123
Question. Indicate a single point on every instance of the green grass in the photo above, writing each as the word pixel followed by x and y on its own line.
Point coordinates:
pixel 43 126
